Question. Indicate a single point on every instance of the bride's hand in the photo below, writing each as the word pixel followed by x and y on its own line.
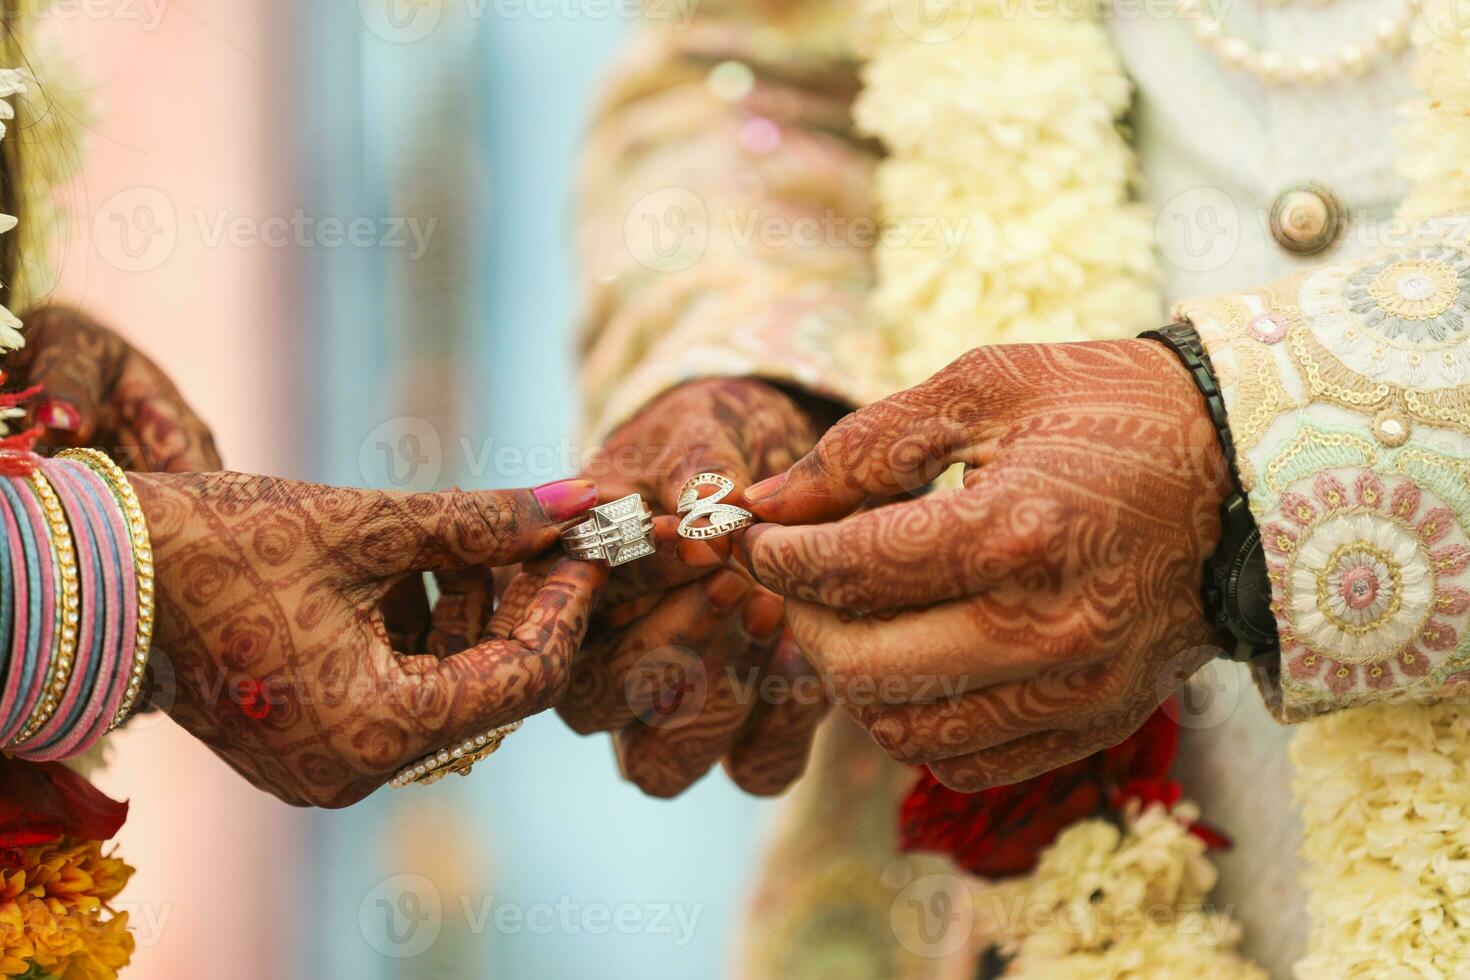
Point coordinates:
pixel 270 645
pixel 1041 612
pixel 100 391
pixel 686 660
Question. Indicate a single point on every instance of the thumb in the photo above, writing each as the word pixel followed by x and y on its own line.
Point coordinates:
pixel 456 529
pixel 887 449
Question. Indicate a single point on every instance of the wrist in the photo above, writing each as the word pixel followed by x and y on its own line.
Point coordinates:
pixel 1236 592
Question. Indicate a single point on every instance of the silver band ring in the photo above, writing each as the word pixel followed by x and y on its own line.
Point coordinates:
pixel 720 518
pixel 617 533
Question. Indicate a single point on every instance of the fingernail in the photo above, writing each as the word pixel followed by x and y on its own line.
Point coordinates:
pixel 764 488
pixel 726 590
pixel 745 542
pixel 53 413
pixel 566 499
pixel 764 615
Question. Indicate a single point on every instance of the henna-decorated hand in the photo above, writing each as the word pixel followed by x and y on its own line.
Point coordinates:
pixel 271 648
pixel 685 660
pixel 100 391
pixel 1038 614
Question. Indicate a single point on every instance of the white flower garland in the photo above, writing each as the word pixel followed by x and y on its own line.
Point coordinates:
pixel 1384 789
pixel 1009 124
pixel 1006 127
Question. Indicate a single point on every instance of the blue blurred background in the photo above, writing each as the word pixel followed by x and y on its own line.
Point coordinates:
pixel 435 369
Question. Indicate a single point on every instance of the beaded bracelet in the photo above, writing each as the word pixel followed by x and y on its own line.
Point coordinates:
pixel 127 498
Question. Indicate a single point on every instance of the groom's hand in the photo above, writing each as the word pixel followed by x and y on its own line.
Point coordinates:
pixel 685 651
pixel 1041 612
pixel 270 643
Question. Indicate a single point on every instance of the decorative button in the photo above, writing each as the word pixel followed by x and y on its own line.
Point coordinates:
pixel 1307 218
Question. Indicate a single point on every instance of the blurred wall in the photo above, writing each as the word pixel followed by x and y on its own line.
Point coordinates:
pixel 192 106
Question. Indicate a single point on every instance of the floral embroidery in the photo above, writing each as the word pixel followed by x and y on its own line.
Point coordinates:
pixel 1365 574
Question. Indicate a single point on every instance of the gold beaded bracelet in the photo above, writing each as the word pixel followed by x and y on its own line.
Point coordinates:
pixel 64 648
pixel 117 481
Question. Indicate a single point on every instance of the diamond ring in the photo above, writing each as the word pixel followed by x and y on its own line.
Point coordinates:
pixel 617 533
pixel 705 516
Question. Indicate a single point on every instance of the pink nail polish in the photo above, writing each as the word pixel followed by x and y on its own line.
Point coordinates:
pixel 53 413
pixel 566 499
pixel 765 488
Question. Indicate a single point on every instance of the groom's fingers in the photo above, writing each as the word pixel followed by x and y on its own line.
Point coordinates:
pixel 943 546
pixel 381 534
pixel 888 449
pixel 501 681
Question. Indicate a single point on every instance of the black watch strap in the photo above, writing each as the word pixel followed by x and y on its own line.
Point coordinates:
pixel 1237 591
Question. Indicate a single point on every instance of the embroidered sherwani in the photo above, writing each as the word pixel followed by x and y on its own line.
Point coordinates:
pixel 1343 374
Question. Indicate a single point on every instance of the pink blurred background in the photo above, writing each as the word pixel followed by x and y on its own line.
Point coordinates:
pixel 195 100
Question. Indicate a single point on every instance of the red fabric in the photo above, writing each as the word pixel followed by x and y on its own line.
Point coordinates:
pixel 40 802
pixel 1002 831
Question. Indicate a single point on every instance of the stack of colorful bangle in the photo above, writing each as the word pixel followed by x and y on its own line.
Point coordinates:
pixel 76 605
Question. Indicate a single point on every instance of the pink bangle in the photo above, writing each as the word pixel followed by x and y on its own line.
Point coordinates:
pixel 67 731
pixel 117 522
pixel 48 630
pixel 18 653
pixel 83 531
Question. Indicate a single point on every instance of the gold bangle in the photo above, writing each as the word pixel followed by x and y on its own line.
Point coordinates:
pixel 64 648
pixel 117 481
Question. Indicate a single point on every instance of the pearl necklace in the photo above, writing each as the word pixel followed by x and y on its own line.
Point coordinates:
pixel 1390 36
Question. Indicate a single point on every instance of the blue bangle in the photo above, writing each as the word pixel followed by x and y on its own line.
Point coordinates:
pixel 7 594
pixel 84 533
pixel 33 605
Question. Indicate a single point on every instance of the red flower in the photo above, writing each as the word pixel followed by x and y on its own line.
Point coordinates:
pixel 1002 831
pixel 40 802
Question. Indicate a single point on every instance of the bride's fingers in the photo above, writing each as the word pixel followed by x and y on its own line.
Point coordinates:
pixel 675 562
pixel 380 534
pixel 635 674
pixel 501 681
pixel 772 750
pixel 466 601
pixel 670 748
pixel 406 614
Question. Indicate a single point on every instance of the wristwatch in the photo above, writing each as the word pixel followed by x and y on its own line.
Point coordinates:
pixel 1237 591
